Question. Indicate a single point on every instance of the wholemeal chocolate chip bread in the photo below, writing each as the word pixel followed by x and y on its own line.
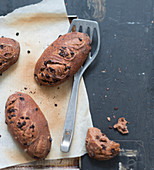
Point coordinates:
pixel 62 59
pixel 28 125
pixel 9 53
pixel 99 146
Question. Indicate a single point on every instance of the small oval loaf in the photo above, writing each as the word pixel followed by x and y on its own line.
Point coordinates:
pixel 62 59
pixel 28 125
pixel 9 53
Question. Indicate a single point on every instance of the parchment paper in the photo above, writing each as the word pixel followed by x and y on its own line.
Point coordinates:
pixel 38 26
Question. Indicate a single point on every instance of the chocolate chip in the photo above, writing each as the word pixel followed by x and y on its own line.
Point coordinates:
pixel 28 51
pixel 68 67
pixel 64 47
pixel 0 74
pixel 0 136
pixel 25 88
pixel 25 143
pixel 9 117
pixel 103 147
pixel 19 125
pixel 55 105
pixel 11 122
pixel 10 110
pixel 35 75
pixel 17 33
pixel 113 151
pixel 51 69
pixel 61 54
pixel 80 39
pixel 72 53
pixel 42 74
pixel 21 98
pixel 5 54
pixel 97 137
pixel 41 69
pixel 36 109
pixel 59 36
pixel 51 45
pixel 19 94
pixel 22 117
pixel 27 118
pixel 35 157
pixel 50 139
pixel 1 46
pixel 23 123
pixel 32 127
pixel 0 64
pixel 47 76
pixel 13 115
pixel 5 122
pixel 45 63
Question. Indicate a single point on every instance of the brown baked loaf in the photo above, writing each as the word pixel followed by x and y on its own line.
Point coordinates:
pixel 99 146
pixel 9 53
pixel 28 125
pixel 62 59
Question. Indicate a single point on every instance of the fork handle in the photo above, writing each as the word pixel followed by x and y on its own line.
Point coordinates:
pixel 70 116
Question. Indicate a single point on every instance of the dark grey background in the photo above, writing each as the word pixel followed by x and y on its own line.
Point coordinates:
pixel 127 42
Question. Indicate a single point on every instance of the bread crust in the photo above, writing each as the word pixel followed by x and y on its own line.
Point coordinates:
pixel 62 59
pixel 9 53
pixel 27 125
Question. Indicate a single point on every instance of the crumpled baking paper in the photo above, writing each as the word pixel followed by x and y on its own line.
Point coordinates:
pixel 37 26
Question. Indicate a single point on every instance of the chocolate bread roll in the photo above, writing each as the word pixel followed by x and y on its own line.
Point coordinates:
pixel 28 125
pixel 62 59
pixel 9 53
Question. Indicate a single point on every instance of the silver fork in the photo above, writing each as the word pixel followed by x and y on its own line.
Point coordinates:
pixel 71 112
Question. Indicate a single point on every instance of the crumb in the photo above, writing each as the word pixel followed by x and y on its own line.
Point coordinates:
pixel 17 34
pixel 107 89
pixel 109 119
pixel 105 96
pixel 119 70
pixel 116 108
pixel 110 127
pixel 58 87
pixel 121 126
pixel 104 71
pixel 114 116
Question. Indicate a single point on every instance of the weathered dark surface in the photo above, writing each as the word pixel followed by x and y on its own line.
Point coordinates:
pixel 127 54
